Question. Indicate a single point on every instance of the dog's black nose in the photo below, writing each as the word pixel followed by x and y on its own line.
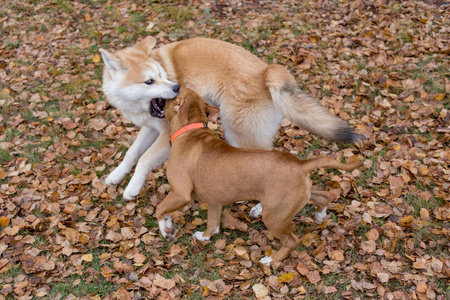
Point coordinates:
pixel 176 88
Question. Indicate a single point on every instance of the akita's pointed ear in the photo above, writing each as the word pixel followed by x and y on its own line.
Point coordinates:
pixel 182 109
pixel 112 63
pixel 213 112
pixel 147 44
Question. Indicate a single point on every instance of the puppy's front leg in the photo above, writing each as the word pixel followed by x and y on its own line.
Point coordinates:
pixel 153 157
pixel 213 224
pixel 144 140
pixel 171 203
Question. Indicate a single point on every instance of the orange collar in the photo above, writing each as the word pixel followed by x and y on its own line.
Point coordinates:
pixel 185 129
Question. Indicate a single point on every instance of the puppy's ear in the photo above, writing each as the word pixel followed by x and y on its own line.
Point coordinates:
pixel 112 63
pixel 213 112
pixel 182 109
pixel 147 44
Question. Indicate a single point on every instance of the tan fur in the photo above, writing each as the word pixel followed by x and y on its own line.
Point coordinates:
pixel 206 168
pixel 253 96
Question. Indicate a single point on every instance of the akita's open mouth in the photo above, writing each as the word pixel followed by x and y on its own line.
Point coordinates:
pixel 157 107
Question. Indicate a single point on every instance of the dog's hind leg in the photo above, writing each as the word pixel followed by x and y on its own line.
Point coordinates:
pixel 213 223
pixel 322 199
pixel 281 228
pixel 144 139
pixel 153 157
pixel 278 217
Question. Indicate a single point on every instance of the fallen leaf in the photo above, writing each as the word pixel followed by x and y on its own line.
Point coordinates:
pixel 260 291
pixel 87 257
pixel 97 124
pixel 337 255
pixel 4 221
pixel 383 277
pixel 422 287
pixel 163 282
pixel 286 278
pixel 406 220
pixel 313 277
pixel 230 222
pixel 96 58
pixel 409 99
pixel 372 235
pixel 302 269
pixel 3 174
pixel 439 97
pixel 220 244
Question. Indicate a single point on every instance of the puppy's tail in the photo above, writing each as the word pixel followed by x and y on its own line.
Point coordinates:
pixel 303 110
pixel 317 162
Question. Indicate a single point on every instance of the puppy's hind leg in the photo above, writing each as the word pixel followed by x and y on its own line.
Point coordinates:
pixel 144 140
pixel 278 217
pixel 282 230
pixel 322 199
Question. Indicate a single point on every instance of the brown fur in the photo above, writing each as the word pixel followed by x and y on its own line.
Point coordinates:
pixel 206 168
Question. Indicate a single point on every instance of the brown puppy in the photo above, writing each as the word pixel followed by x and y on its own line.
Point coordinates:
pixel 206 168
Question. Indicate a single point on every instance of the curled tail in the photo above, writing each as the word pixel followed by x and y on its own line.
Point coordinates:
pixel 317 162
pixel 303 110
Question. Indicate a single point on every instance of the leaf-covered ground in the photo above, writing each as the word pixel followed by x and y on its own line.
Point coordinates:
pixel 382 65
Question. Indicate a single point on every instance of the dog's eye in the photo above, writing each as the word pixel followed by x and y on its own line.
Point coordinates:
pixel 150 81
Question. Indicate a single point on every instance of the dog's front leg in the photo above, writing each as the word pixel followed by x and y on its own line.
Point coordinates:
pixel 153 157
pixel 213 224
pixel 171 203
pixel 144 140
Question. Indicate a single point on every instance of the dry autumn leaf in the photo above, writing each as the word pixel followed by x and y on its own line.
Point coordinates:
pixel 260 291
pixel 4 221
pixel 96 58
pixel 87 257
pixel 3 174
pixel 373 234
pixel 163 282
pixel 313 277
pixel 286 278
pixel 231 222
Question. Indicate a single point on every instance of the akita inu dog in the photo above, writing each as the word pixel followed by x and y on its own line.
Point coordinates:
pixel 253 97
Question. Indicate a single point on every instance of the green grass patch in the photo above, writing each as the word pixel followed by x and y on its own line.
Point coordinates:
pixel 5 156
pixel 10 134
pixel 414 200
pixel 76 286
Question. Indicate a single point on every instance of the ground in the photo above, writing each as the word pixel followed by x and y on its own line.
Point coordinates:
pixel 381 65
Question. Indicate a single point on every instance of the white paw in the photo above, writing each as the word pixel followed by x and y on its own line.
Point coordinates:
pixel 115 177
pixel 130 193
pixel 256 210
pixel 134 187
pixel 265 260
pixel 199 236
pixel 168 231
pixel 321 216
